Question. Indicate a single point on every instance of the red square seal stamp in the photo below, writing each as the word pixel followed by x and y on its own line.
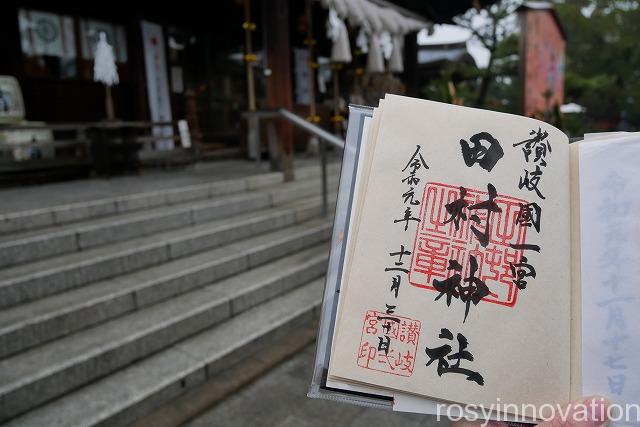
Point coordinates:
pixel 389 343
pixel 437 241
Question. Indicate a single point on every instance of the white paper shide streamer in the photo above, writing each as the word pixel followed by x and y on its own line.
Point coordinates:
pixel 362 42
pixel 386 44
pixel 104 66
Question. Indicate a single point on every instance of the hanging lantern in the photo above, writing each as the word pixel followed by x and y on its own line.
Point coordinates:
pixel 375 60
pixel 395 61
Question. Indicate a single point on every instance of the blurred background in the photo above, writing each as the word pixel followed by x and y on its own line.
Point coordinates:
pixel 168 174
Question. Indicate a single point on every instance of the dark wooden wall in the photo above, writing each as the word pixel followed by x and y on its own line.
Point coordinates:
pixel 79 98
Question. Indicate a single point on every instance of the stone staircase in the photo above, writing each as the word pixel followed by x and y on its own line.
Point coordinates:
pixel 113 307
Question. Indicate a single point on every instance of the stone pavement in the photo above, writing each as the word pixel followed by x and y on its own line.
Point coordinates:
pixel 279 399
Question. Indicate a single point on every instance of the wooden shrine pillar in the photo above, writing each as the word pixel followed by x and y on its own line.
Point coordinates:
pixel 277 49
pixel 410 74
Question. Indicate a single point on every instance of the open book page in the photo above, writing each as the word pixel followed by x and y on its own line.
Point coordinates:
pixel 370 132
pixel 576 297
pixel 466 216
pixel 402 402
pixel 610 269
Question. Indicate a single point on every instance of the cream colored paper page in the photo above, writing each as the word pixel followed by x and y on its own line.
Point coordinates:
pixel 362 176
pixel 520 339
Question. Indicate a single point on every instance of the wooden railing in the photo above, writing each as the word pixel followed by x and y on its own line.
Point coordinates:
pixel 323 136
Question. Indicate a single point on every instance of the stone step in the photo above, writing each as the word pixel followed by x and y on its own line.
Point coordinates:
pixel 32 245
pixel 28 282
pixel 68 213
pixel 121 397
pixel 28 325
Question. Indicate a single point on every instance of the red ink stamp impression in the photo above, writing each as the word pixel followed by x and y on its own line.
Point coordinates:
pixel 389 343
pixel 437 241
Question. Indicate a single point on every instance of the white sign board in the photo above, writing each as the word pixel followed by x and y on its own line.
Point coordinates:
pixel 157 82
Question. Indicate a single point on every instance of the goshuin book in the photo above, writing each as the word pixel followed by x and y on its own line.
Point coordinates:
pixel 479 258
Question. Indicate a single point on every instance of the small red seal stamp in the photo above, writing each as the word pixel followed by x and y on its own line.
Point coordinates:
pixel 437 241
pixel 389 343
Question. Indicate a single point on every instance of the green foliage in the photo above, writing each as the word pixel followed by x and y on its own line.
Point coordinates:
pixel 602 67
pixel 603 60
pixel 495 86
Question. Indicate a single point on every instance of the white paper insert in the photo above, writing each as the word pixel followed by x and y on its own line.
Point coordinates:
pixel 610 269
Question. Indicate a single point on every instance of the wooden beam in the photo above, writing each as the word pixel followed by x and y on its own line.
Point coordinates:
pixel 277 48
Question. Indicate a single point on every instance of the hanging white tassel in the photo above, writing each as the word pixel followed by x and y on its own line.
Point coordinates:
pixel 104 65
pixel 395 62
pixel 337 32
pixel 341 51
pixel 375 60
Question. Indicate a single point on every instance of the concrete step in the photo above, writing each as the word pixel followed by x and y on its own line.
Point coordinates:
pixel 120 398
pixel 69 213
pixel 28 325
pixel 35 280
pixel 33 245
